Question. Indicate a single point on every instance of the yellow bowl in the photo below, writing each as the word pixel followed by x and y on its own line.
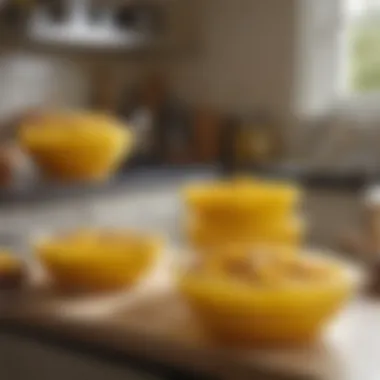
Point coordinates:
pixel 98 260
pixel 76 146
pixel 201 236
pixel 239 313
pixel 241 201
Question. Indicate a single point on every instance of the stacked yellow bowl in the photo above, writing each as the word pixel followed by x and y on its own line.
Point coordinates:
pixel 265 297
pixel 76 146
pixel 257 284
pixel 242 211
pixel 98 260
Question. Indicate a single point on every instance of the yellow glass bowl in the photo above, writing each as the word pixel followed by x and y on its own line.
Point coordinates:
pixel 241 201
pixel 87 261
pixel 76 146
pixel 289 232
pixel 238 313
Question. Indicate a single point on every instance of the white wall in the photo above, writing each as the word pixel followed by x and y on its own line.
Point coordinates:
pixel 30 80
pixel 244 58
pixel 246 55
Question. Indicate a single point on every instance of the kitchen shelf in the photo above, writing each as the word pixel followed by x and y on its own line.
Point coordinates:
pixel 132 2
pixel 86 36
pixel 80 30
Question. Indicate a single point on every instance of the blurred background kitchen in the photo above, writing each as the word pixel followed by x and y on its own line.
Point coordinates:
pixel 207 87
pixel 109 107
pixel 175 74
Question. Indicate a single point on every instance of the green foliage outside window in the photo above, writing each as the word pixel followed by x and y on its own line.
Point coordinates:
pixel 365 54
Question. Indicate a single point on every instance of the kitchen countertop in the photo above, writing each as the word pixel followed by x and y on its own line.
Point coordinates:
pixel 151 327
pixel 134 177
pixel 66 327
pixel 129 179
pixel 150 200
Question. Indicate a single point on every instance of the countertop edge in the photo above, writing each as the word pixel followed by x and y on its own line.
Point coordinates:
pixel 140 359
pixel 134 178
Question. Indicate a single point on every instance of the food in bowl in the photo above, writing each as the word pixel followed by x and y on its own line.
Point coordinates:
pixel 265 298
pixel 76 146
pixel 12 273
pixel 98 260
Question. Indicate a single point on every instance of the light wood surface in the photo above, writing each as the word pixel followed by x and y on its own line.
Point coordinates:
pixel 153 321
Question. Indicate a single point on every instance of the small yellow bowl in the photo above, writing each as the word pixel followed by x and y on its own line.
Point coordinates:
pixel 98 260
pixel 239 313
pixel 76 146
pixel 241 201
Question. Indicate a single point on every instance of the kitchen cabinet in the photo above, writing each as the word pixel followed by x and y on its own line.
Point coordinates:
pixel 8 366
pixel 23 358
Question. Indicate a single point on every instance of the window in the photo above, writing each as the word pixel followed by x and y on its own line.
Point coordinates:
pixel 339 55
pixel 364 41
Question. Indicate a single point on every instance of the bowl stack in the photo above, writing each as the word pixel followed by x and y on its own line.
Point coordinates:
pixel 244 212
pixel 257 283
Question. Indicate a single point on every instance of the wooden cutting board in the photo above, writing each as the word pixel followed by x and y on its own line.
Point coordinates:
pixel 152 320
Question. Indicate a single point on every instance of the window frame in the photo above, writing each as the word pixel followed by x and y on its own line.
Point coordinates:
pixel 317 67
